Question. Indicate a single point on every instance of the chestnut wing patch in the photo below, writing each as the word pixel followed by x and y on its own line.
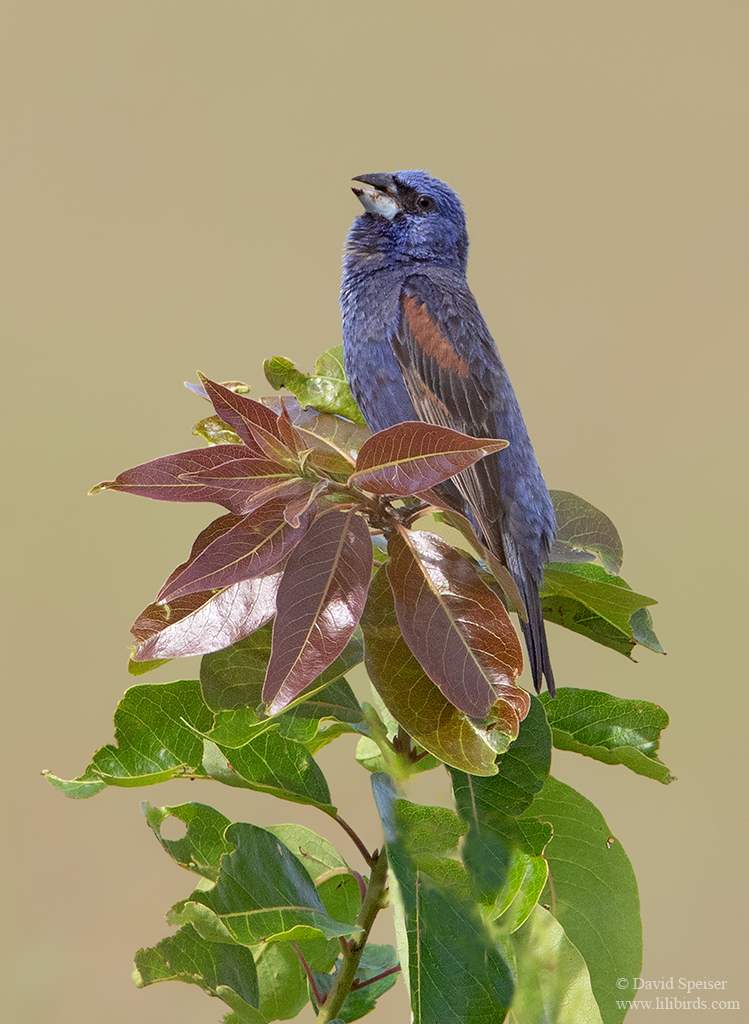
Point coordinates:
pixel 428 336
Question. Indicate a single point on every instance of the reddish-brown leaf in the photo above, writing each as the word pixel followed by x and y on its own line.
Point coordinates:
pixel 258 426
pixel 207 621
pixel 412 457
pixel 168 478
pixel 244 547
pixel 456 627
pixel 251 482
pixel 411 696
pixel 320 601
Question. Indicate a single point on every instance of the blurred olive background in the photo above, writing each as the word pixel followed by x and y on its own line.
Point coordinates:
pixel 176 195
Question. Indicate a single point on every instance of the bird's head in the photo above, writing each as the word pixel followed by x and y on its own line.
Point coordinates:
pixel 412 214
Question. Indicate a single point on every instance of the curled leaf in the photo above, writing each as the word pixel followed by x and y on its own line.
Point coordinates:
pixel 584 533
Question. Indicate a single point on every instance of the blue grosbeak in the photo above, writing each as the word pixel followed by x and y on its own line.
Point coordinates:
pixel 416 347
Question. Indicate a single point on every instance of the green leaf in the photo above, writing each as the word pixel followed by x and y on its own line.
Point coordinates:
pixel 215 431
pixel 588 600
pixel 270 764
pixel 592 891
pixel 607 596
pixel 642 630
pixel 201 848
pixel 218 968
pixel 282 981
pixel 155 740
pixel 263 894
pixel 525 881
pixel 318 855
pixel 326 389
pixel 139 668
pixel 552 979
pixel 583 530
pixel 410 695
pixel 492 807
pixel 454 971
pixel 609 729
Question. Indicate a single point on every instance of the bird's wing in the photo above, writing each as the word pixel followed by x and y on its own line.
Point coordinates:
pixel 447 359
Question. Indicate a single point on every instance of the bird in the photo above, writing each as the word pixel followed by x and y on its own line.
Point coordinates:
pixel 416 347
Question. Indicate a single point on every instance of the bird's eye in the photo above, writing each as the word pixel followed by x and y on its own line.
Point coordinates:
pixel 425 203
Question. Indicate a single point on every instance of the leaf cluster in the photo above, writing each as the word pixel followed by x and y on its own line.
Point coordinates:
pixel 517 902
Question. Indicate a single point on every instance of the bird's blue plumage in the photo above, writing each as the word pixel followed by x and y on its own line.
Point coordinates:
pixel 417 347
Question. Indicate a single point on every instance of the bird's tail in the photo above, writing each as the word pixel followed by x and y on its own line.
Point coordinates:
pixel 534 631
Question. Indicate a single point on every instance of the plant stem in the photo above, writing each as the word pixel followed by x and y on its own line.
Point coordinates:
pixel 373 902
pixel 354 838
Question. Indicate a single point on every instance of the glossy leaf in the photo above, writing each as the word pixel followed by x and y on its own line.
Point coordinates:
pixel 154 740
pixel 457 628
pixel 411 457
pixel 609 729
pixel 201 848
pixel 320 602
pixel 326 389
pixel 491 807
pixel 410 695
pixel 454 971
pixel 591 891
pixel 206 621
pixel 263 893
pixel 584 533
pixel 244 547
pixel 552 980
pixel 168 479
pixel 215 967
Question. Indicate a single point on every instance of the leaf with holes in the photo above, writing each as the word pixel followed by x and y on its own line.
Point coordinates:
pixel 456 627
pixel 320 601
pixel 154 728
pixel 412 457
pixel 216 967
pixel 201 848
